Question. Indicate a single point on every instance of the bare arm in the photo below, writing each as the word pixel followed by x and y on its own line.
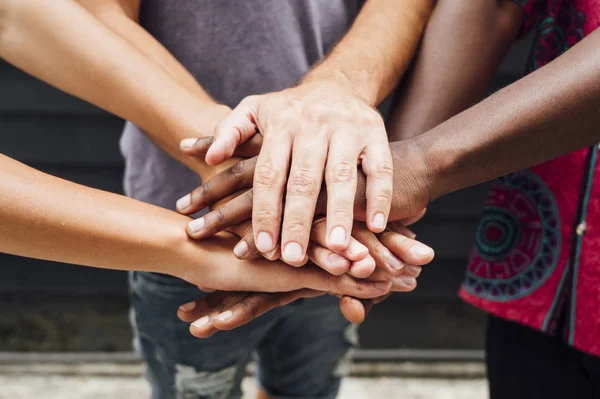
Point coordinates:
pixel 64 45
pixel 322 129
pixel 551 112
pixel 48 218
pixel 462 47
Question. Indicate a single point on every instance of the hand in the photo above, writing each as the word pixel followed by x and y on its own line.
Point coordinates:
pixel 324 128
pixel 226 311
pixel 222 271
pixel 411 189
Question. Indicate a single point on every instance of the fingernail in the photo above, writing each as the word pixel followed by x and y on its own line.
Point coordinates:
pixel 187 143
pixel 410 281
pixel 188 307
pixel 378 221
pixel 224 316
pixel 184 202
pixel 201 322
pixel 394 262
pixel 416 270
pixel 241 249
pixel 293 251
pixel 196 225
pixel 264 242
pixel 421 250
pixel 356 248
pixel 383 285
pixel 337 236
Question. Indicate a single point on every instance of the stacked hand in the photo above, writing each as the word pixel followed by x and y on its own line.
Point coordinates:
pixel 392 255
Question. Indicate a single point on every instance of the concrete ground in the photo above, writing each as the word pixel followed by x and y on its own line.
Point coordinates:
pixel 89 387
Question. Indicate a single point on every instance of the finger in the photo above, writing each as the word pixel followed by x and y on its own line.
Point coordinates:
pixel 192 311
pixel 303 187
pixel 408 250
pixel 269 181
pixel 378 168
pixel 346 285
pixel 224 184
pixel 245 248
pixel 384 258
pixel 405 282
pixel 363 268
pixel 353 309
pixel 256 305
pixel 232 131
pixel 236 211
pixel 400 228
pixel 355 251
pixel 328 260
pixel 203 326
pixel 199 147
pixel 340 177
pixel 265 276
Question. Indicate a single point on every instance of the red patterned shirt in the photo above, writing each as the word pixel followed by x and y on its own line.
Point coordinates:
pixel 536 259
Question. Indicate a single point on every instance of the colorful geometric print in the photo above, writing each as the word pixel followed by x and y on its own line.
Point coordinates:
pixel 518 240
pixel 560 28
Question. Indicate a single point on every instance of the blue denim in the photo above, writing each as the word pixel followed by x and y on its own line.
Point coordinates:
pixel 301 350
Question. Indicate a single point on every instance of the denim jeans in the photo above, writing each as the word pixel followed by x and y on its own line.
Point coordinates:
pixel 301 350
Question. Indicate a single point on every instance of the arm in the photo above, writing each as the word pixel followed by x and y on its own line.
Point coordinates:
pixel 551 112
pixel 48 218
pixel 53 41
pixel 326 126
pixel 455 63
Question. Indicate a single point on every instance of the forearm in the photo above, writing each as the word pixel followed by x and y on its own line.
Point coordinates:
pixel 49 218
pixel 462 47
pixel 64 45
pixel 551 112
pixel 376 51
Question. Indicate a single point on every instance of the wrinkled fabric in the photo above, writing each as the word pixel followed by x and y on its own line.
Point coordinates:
pixel 535 259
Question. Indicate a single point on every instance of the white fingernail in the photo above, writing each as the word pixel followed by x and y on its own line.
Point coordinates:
pixel 241 249
pixel 187 307
pixel 201 322
pixel 224 316
pixel 184 202
pixel 378 221
pixel 196 225
pixel 337 236
pixel 293 252
pixel 264 242
pixel 421 250
pixel 187 143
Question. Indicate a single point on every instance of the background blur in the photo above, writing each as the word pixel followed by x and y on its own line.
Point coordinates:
pixel 52 307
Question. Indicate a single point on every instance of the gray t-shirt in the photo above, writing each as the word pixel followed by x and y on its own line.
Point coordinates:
pixel 234 49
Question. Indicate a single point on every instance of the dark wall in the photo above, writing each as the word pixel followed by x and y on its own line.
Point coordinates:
pixel 65 137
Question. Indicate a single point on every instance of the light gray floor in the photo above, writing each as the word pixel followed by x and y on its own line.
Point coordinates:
pixel 82 387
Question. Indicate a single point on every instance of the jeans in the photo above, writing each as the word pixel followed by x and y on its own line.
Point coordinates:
pixel 301 350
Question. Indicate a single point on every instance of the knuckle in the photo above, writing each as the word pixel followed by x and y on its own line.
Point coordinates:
pixel 220 215
pixel 342 212
pixel 316 113
pixel 344 172
pixel 303 183
pixel 297 227
pixel 384 169
pixel 238 170
pixel 265 214
pixel 266 176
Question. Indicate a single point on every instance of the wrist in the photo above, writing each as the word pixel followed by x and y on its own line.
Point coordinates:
pixel 360 84
pixel 441 163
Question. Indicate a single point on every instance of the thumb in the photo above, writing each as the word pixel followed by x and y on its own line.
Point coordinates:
pixel 235 129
